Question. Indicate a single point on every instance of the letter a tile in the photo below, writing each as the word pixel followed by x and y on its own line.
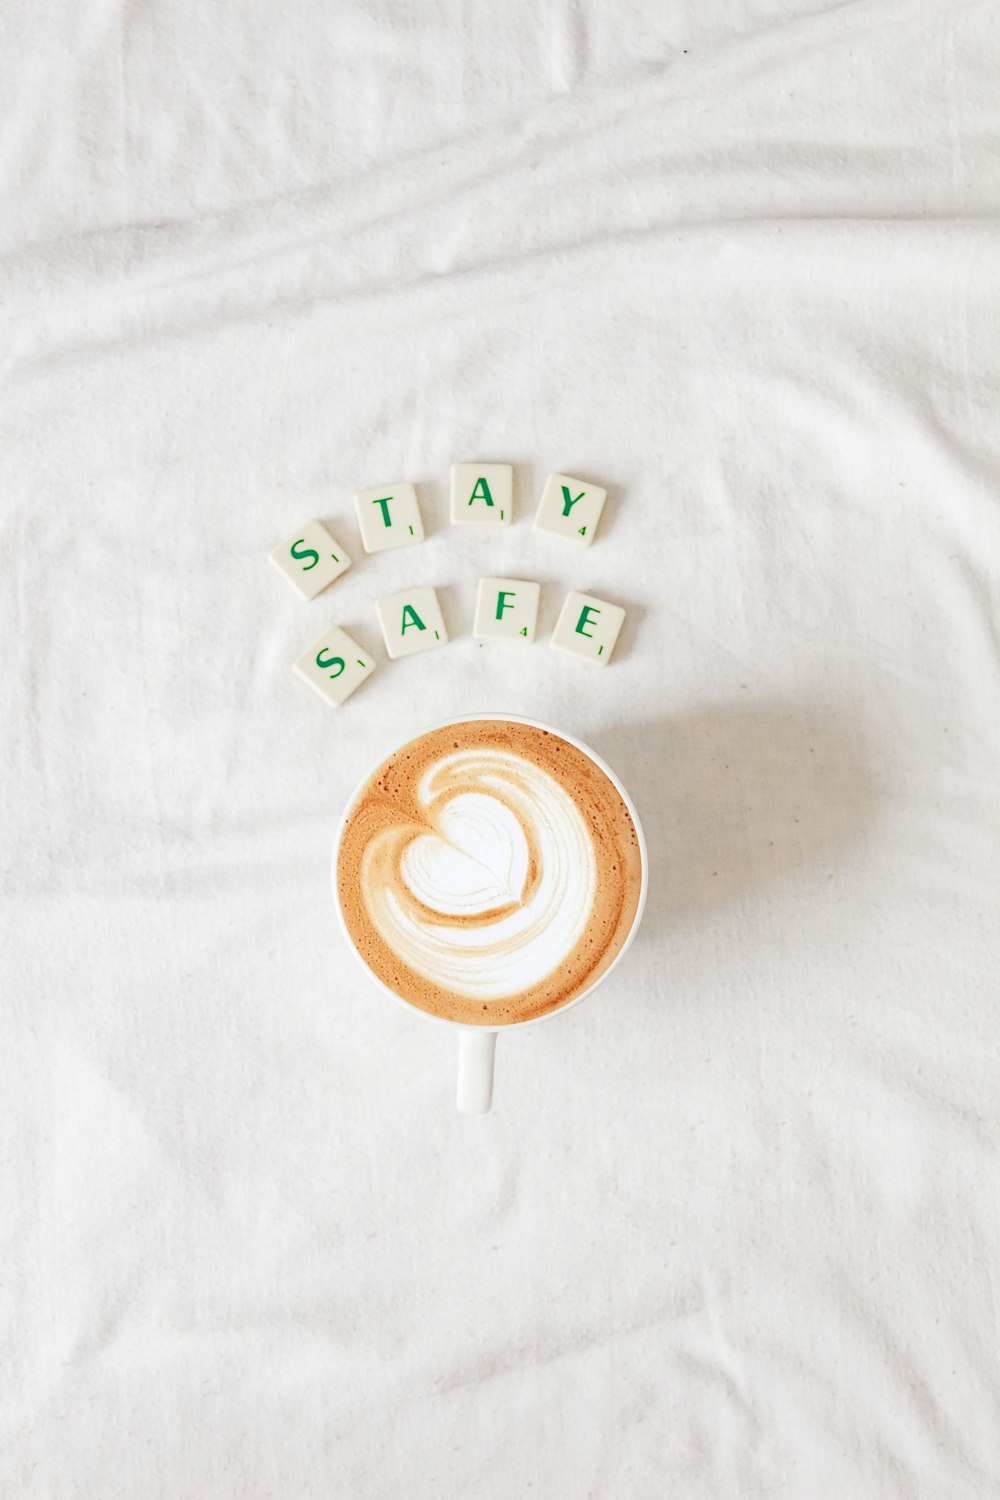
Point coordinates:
pixel 310 559
pixel 570 509
pixel 411 621
pixel 389 517
pixel 482 494
pixel 588 627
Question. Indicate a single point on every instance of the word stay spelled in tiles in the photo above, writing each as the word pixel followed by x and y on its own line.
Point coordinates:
pixel 389 517
pixel 570 509
pixel 334 666
pixel 411 621
pixel 482 494
pixel 588 627
pixel 311 559
pixel 506 609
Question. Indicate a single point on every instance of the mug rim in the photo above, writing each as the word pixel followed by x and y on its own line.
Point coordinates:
pixel 559 1010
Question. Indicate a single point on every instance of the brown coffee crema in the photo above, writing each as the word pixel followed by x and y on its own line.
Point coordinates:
pixel 489 872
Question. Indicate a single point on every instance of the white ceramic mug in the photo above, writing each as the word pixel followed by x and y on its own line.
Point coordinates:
pixel 477 1044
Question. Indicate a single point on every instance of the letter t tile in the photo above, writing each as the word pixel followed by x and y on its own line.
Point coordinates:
pixel 389 517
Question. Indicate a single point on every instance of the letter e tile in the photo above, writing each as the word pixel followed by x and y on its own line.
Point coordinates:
pixel 588 627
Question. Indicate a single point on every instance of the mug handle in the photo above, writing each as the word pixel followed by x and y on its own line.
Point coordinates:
pixel 476 1049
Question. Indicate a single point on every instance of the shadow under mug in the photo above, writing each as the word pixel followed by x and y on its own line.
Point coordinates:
pixel 477 1044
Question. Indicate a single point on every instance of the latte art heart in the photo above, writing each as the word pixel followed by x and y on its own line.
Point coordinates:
pixel 475 863
pixel 462 912
pixel 489 871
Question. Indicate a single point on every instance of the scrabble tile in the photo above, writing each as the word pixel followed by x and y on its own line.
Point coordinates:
pixel 389 517
pixel 588 627
pixel 506 609
pixel 482 494
pixel 411 621
pixel 334 665
pixel 570 509
pixel 310 559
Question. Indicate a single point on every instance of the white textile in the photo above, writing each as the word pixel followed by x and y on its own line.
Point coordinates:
pixel 732 1228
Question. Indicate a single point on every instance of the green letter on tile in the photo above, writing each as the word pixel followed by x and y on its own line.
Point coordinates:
pixel 502 604
pixel 568 499
pixel 481 491
pixel 304 552
pixel 331 661
pixel 413 620
pixel 585 614
pixel 386 518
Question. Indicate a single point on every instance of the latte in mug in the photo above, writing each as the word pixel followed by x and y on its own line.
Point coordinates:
pixel 489 872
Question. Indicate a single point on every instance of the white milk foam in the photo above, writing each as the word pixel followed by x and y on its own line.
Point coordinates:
pixel 494 891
